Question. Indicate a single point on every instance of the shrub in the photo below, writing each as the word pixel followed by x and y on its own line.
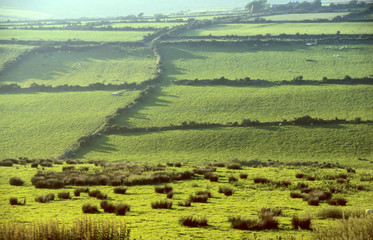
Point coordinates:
pixel 191 221
pixel 89 208
pixel 94 193
pixel 45 198
pixel 116 182
pixel 218 164
pixel 214 178
pixel 338 213
pixel 313 202
pixel 85 190
pixel 232 179
pixel 34 165
pixel 359 187
pixel 186 203
pixel 13 201
pixel 76 193
pixel 121 209
pixel 204 192
pixel 261 180
pixel 16 181
pixel 311 178
pixel 299 175
pixel 120 190
pixel 296 195
pixel 108 207
pixel 286 183
pixel 264 222
pixel 242 223
pixel 64 195
pixel 275 212
pixel 101 196
pixel 301 223
pixel 350 170
pixel 170 194
pixel 227 191
pixel 236 166
pixel 178 165
pixel 341 201
pixel 162 204
pixel 244 175
pixel 199 198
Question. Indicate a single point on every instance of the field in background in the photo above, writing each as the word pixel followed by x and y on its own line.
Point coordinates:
pixel 305 16
pixel 330 143
pixel 104 64
pixel 282 28
pixel 222 104
pixel 10 52
pixel 65 35
pixel 46 124
pixel 268 62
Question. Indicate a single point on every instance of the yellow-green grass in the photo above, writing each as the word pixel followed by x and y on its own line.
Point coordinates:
pixel 9 52
pixel 16 14
pixel 145 222
pixel 46 124
pixel 305 16
pixel 145 24
pixel 280 28
pixel 223 104
pixel 65 35
pixel 273 62
pixel 105 64
pixel 330 143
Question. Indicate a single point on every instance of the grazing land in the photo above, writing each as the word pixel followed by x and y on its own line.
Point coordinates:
pixel 147 24
pixel 222 104
pixel 65 35
pixel 9 52
pixel 46 124
pixel 331 143
pixel 262 61
pixel 282 28
pixel 113 64
pixel 305 16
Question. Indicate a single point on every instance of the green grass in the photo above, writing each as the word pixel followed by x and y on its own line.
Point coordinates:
pixel 279 28
pixel 18 14
pixel 65 35
pixel 305 16
pixel 147 24
pixel 145 222
pixel 331 143
pixel 105 64
pixel 221 104
pixel 46 124
pixel 9 52
pixel 273 62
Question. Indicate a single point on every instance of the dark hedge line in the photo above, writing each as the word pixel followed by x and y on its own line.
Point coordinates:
pixel 295 81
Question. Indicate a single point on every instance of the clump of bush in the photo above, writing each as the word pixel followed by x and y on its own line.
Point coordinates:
pixel 263 223
pixel 199 198
pixel 301 223
pixel 244 175
pixel 107 206
pixel 170 194
pixel 236 166
pixel 232 179
pixel 204 192
pixel 163 189
pixel 274 212
pixel 227 191
pixel 16 181
pixel 122 208
pixel 89 208
pixel 261 180
pixel 64 195
pixel 214 178
pixel 191 221
pixel 14 201
pixel 186 203
pixel 299 175
pixel 120 190
pixel 162 204
pixel 97 194
pixel 45 198
pixel 338 201
pixel 204 170
pixel 296 195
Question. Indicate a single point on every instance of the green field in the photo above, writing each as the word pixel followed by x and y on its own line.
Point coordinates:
pixel 10 52
pixel 147 24
pixel 46 124
pixel 65 35
pixel 273 62
pixel 222 104
pixel 330 143
pixel 144 222
pixel 105 64
pixel 280 28
pixel 305 16
pixel 17 14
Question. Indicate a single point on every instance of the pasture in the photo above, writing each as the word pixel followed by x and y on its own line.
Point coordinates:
pixel 113 64
pixel 329 143
pixel 261 61
pixel 10 52
pixel 247 200
pixel 46 124
pixel 282 28
pixel 146 24
pixel 73 35
pixel 222 104
pixel 305 16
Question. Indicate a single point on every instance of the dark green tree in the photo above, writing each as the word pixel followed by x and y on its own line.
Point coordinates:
pixel 257 6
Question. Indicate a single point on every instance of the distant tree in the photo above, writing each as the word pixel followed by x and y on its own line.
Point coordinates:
pixel 257 6
pixel 140 15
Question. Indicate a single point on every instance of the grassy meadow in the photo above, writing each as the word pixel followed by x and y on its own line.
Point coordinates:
pixel 46 124
pixel 280 28
pixel 65 35
pixel 261 62
pixel 105 64
pixel 9 52
pixel 144 222
pixel 330 143
pixel 222 104
pixel 305 16
pixel 146 24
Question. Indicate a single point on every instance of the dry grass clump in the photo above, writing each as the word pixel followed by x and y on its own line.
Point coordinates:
pixel 244 175
pixel 45 198
pixel 263 223
pixel 64 195
pixel 163 189
pixel 122 208
pixel 16 181
pixel 339 213
pixel 14 201
pixel 120 190
pixel 355 228
pixel 162 204
pixel 89 208
pixel 82 228
pixel 191 221
pixel 186 203
pixel 227 191
pixel 301 223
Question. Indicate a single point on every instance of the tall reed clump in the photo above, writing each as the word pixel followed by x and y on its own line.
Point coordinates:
pixel 81 228
pixel 355 228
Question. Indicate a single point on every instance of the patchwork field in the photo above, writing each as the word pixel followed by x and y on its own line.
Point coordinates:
pixel 305 16
pixel 222 104
pixel 273 62
pixel 10 52
pixel 247 200
pixel 280 28
pixel 104 64
pixel 147 24
pixel 65 35
pixel 330 143
pixel 46 124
